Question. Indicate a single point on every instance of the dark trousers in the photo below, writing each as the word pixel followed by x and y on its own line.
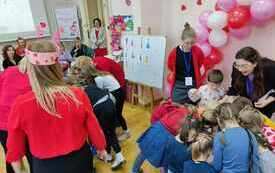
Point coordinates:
pixel 119 94
pixel 77 161
pixel 106 115
pixel 3 140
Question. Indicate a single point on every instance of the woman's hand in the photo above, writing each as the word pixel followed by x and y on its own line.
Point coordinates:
pixel 261 103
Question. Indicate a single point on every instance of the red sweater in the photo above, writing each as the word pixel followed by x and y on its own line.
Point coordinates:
pixel 12 84
pixel 109 65
pixel 201 65
pixel 173 120
pixel 49 136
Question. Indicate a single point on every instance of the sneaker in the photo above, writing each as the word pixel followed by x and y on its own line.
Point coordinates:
pixel 109 158
pixel 119 161
pixel 125 135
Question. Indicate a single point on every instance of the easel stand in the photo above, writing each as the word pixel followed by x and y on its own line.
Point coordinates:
pixel 135 86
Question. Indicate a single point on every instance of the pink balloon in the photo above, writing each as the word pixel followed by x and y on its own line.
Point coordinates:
pixel 241 33
pixel 202 34
pixel 258 23
pixel 226 5
pixel 203 18
pixel 262 10
pixel 206 48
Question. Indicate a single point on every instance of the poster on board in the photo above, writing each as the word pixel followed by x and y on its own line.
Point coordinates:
pixel 67 19
pixel 144 59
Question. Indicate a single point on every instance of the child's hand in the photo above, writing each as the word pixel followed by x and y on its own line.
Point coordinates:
pixel 102 154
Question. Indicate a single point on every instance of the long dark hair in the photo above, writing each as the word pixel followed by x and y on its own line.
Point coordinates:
pixel 252 55
pixel 5 51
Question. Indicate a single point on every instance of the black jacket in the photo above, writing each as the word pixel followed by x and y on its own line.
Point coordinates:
pixel 7 63
pixel 82 51
pixel 269 83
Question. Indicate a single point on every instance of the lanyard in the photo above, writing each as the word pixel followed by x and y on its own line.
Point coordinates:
pixel 187 62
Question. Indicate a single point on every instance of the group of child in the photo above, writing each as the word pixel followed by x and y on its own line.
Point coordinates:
pixel 221 134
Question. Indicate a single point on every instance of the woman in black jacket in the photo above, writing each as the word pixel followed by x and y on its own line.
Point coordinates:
pixel 10 57
pixel 253 77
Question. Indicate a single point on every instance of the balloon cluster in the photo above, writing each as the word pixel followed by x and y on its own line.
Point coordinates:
pixel 231 18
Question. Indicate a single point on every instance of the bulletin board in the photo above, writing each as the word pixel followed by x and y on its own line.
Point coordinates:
pixel 144 59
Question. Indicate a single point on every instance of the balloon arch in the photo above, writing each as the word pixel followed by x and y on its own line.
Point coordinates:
pixel 231 18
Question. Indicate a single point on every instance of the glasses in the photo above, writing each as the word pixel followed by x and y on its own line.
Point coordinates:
pixel 241 66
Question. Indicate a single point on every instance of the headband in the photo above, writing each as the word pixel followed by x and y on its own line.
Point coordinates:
pixel 42 58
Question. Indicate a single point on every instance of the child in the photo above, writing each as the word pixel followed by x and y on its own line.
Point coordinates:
pixel 65 58
pixel 155 151
pixel 231 145
pixel 212 91
pixel 105 80
pixel 104 110
pixel 251 119
pixel 201 151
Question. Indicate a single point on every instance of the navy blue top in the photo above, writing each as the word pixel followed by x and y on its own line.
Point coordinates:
pixel 197 167
pixel 184 65
pixel 177 154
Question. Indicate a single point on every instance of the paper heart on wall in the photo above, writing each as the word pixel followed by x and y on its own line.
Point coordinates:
pixel 128 2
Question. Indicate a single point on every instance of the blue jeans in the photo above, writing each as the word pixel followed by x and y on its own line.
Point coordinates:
pixel 138 163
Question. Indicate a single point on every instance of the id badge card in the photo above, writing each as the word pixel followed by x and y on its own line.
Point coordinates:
pixel 188 81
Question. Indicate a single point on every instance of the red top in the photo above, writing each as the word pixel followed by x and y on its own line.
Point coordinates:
pixel 12 84
pixel 200 63
pixel 162 110
pixel 109 65
pixel 49 136
pixel 96 33
pixel 173 120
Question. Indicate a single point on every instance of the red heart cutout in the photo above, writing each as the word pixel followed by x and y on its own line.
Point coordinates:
pixel 199 2
pixel 43 24
pixel 183 7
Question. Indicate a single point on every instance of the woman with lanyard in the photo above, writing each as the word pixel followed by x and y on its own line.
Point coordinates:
pixel 252 77
pixel 186 63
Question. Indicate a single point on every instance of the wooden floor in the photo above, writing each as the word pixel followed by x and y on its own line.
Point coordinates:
pixel 138 119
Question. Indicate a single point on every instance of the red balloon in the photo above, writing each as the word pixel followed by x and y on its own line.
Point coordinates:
pixel 239 17
pixel 216 56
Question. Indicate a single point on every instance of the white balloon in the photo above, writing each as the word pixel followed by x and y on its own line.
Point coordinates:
pixel 217 20
pixel 244 2
pixel 218 38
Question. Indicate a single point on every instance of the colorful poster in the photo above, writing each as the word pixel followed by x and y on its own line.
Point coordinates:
pixel 67 18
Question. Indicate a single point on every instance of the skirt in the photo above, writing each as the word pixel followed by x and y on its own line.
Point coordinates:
pixel 153 143
pixel 77 161
pixel 180 93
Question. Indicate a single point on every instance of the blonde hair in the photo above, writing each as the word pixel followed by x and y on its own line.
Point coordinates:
pixel 225 112
pixel 188 32
pixel 85 62
pixel 47 80
pixel 251 119
pixel 202 146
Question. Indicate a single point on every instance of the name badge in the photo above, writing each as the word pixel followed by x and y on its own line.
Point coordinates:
pixel 188 81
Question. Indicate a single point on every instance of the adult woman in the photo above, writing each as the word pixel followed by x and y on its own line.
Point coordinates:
pixel 186 63
pixel 21 46
pixel 10 57
pixel 54 119
pixel 252 77
pixel 98 38
pixel 13 82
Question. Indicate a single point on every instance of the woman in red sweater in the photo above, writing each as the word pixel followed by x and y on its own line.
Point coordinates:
pixel 54 119
pixel 187 66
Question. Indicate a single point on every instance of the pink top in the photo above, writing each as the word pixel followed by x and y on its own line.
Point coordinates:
pixel 12 84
